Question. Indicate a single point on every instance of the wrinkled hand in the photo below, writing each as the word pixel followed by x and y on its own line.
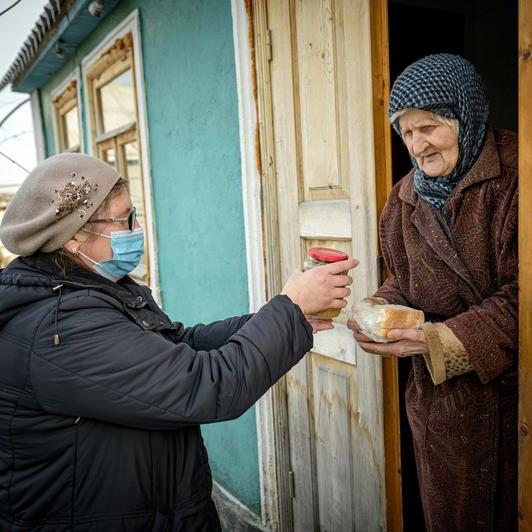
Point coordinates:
pixel 407 342
pixel 320 288
pixel 319 324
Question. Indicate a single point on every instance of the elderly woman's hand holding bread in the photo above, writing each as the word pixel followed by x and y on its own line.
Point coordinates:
pixel 386 330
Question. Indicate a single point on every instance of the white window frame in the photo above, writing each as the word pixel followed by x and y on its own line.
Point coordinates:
pixel 131 24
pixel 75 75
pixel 38 126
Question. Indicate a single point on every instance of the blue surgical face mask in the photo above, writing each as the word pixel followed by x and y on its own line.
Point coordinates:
pixel 128 248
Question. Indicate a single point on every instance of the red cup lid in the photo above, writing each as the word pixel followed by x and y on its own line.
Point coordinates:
pixel 326 254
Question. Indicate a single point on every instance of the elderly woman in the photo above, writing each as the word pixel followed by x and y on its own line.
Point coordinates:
pixel 449 238
pixel 101 394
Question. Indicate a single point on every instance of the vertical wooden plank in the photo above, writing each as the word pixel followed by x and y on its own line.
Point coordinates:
pixel 334 398
pixel 525 265
pixel 383 176
pixel 368 451
pixel 283 163
pixel 317 84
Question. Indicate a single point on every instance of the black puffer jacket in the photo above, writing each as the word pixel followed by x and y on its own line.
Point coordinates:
pixel 101 398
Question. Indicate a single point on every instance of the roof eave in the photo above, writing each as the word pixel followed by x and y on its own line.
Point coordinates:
pixel 60 29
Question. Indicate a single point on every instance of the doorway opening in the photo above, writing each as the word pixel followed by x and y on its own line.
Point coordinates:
pixel 485 33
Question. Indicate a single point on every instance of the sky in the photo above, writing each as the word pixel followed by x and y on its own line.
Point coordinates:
pixel 16 135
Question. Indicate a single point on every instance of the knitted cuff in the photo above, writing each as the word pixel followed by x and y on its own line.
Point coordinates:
pixel 454 353
pixel 434 358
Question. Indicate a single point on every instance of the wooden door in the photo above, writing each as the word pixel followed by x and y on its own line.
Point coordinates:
pixel 323 154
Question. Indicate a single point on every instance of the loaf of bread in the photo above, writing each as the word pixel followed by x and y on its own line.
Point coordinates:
pixel 377 320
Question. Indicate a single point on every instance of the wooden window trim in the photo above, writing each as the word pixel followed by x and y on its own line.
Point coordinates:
pixel 113 71
pixel 116 60
pixel 118 50
pixel 63 103
pixel 121 140
pixel 116 132
pixel 113 62
pixel 66 95
pixel 117 142
pixel 106 145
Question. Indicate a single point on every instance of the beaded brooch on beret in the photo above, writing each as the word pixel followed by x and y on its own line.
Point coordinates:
pixel 74 196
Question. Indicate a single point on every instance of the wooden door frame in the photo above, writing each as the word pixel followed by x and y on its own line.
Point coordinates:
pixel 383 185
pixel 525 266
pixel 264 269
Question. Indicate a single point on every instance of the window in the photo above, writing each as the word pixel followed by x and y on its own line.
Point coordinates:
pixel 67 119
pixel 113 109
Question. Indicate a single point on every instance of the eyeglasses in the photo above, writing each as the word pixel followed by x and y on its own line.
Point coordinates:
pixel 131 219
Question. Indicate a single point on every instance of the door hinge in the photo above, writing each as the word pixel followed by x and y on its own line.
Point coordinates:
pixel 291 484
pixel 269 52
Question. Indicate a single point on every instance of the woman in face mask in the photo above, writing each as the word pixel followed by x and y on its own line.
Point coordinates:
pixel 102 395
pixel 120 246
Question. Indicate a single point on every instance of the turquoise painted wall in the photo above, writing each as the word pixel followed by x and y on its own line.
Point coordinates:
pixel 192 108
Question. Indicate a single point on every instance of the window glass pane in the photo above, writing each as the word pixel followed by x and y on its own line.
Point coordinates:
pixel 131 158
pixel 109 156
pixel 71 128
pixel 117 101
pixel 134 177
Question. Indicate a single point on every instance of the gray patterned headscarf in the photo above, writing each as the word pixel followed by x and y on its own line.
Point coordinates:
pixel 449 86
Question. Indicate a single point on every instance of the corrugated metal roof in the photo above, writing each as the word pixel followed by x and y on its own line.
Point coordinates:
pixel 52 13
pixel 59 30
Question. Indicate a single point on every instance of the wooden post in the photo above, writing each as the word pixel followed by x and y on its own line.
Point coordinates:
pixel 383 176
pixel 525 265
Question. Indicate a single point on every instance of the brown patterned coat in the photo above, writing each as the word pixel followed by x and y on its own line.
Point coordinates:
pixel 464 429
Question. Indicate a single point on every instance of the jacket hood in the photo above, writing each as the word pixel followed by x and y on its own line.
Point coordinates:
pixel 19 287
pixel 28 280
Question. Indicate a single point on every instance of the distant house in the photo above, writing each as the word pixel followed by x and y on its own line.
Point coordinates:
pixel 4 200
pixel 250 130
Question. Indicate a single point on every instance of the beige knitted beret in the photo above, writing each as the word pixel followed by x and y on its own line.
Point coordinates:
pixel 56 199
